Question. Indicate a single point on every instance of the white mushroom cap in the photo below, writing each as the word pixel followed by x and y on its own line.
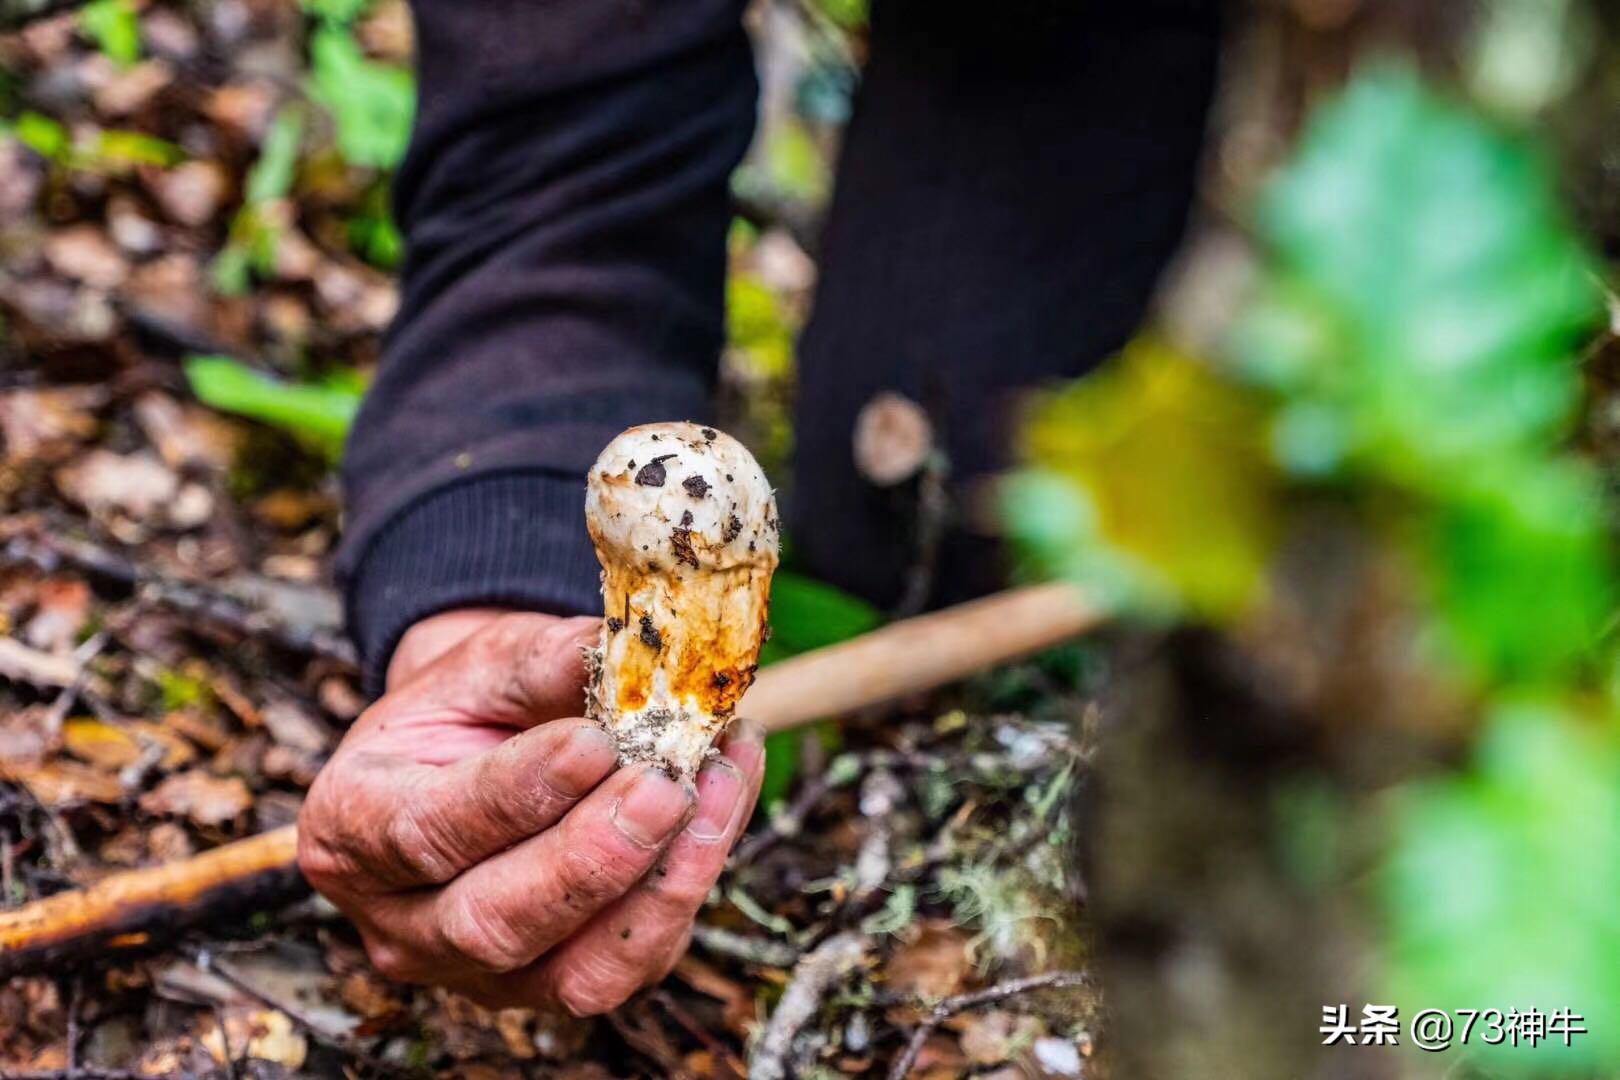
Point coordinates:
pixel 686 530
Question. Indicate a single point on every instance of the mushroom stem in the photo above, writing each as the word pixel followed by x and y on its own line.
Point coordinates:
pixel 686 531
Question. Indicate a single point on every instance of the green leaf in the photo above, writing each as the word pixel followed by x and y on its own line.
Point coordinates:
pixel 115 27
pixel 43 136
pixel 809 614
pixel 117 147
pixel 1424 291
pixel 320 414
pixel 1523 573
pixel 1500 889
pixel 371 103
pixel 272 174
pixel 338 11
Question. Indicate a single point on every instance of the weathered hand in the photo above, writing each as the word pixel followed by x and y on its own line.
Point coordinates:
pixel 479 835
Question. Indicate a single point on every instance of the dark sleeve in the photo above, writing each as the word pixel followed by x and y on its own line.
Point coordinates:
pixel 565 206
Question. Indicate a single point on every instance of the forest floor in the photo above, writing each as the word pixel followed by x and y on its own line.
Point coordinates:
pixel 172 667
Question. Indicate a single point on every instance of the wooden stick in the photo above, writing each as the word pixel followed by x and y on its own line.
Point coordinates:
pixel 136 909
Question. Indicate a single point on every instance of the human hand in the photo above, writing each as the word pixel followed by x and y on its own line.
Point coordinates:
pixel 478 834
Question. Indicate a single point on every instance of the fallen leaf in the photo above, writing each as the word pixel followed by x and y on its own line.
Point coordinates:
pixel 933 963
pixel 262 1034
pixel 366 995
pixel 62 607
pixel 994 1036
pixel 19 663
pixel 83 253
pixel 190 193
pixel 132 90
pixel 208 801
pixel 185 435
pixel 64 782
pixel 46 423
pixel 291 725
pixel 137 485
pixel 100 744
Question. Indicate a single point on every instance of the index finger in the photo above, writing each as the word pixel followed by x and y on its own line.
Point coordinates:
pixel 374 822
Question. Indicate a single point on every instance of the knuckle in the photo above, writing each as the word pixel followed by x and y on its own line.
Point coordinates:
pixel 483 936
pixel 679 893
pixel 587 877
pixel 391 962
pixel 412 845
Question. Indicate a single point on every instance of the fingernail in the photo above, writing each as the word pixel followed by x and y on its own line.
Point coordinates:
pixel 720 788
pixel 745 744
pixel 580 761
pixel 653 808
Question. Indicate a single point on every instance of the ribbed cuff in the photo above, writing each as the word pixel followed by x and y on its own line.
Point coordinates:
pixel 511 539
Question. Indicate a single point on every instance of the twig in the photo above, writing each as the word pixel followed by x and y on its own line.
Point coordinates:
pixel 933 513
pixel 48 552
pixel 881 796
pixel 813 979
pixel 723 1054
pixel 750 950
pixel 225 1043
pixel 948 1008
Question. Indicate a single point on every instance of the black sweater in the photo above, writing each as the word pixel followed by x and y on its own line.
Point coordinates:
pixel 1010 187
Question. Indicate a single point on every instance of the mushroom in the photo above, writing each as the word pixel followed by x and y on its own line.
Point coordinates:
pixel 686 531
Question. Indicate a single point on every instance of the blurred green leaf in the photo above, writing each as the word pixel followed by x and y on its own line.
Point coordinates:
pixel 115 27
pixel 255 233
pixel 117 147
pixel 1150 483
pixel 1424 292
pixel 1523 573
pixel 338 11
pixel 43 136
pixel 1500 888
pixel 318 413
pixel 809 614
pixel 272 174
pixel 371 103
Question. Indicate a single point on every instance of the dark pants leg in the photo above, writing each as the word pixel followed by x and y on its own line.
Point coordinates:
pixel 1011 188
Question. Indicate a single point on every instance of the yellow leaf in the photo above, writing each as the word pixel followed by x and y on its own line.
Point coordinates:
pixel 1173 462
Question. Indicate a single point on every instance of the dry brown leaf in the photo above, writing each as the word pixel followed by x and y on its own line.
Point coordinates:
pixel 367 995
pixel 64 782
pixel 45 424
pixel 137 485
pixel 62 607
pixel 994 1036
pixel 209 801
pixel 186 435
pixel 292 725
pixel 933 963
pixel 83 253
pixel 191 193
pixel 132 90
pixel 262 1034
